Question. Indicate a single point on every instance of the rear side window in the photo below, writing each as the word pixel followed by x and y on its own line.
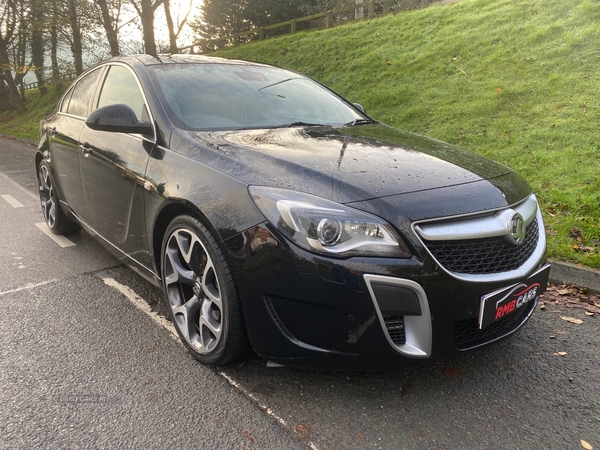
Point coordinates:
pixel 121 86
pixel 83 94
pixel 66 100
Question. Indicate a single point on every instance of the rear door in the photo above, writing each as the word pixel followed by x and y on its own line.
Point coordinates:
pixel 64 130
pixel 113 170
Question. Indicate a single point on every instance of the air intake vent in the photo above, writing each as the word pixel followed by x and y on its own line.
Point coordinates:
pixel 395 328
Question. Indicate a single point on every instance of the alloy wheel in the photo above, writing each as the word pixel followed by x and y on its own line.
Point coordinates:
pixel 47 197
pixel 193 291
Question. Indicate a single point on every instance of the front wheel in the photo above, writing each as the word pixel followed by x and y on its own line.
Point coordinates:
pixel 200 293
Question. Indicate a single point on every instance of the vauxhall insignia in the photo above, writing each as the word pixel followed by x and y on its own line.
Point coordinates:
pixel 516 229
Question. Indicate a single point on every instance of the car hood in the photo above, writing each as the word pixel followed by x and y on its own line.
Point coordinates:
pixel 348 164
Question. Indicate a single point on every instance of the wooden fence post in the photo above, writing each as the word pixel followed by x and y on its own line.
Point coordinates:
pixel 293 26
pixel 328 20
pixel 261 34
pixel 371 8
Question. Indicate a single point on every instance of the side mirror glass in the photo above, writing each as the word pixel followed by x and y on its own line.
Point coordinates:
pixel 118 118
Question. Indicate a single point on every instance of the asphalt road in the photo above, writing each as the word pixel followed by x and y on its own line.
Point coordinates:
pixel 87 360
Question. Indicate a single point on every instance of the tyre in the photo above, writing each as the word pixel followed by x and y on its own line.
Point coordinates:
pixel 55 217
pixel 200 293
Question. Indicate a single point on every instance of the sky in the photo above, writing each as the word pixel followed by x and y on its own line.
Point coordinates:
pixel 178 10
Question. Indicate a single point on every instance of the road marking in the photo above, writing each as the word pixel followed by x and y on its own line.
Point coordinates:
pixel 264 408
pixel 31 194
pixel 12 201
pixel 143 306
pixel 29 286
pixel 60 240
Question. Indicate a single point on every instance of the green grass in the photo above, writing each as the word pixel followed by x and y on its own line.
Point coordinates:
pixel 515 80
pixel 26 125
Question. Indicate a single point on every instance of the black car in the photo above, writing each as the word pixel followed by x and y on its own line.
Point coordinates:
pixel 276 214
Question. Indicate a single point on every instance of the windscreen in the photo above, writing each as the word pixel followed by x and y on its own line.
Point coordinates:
pixel 233 96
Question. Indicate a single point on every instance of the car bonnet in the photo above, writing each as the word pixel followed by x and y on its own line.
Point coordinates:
pixel 347 164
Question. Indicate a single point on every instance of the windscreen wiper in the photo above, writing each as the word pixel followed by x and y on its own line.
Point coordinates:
pixel 358 122
pixel 303 124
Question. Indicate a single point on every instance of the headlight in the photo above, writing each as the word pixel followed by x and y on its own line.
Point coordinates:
pixel 326 227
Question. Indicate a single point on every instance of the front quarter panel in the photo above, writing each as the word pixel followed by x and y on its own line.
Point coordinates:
pixel 222 201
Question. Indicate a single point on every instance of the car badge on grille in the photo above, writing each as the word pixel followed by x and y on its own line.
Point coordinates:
pixel 516 229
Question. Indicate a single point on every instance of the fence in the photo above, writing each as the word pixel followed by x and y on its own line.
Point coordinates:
pixel 34 85
pixel 366 10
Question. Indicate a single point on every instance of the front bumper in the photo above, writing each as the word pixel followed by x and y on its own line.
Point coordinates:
pixel 306 310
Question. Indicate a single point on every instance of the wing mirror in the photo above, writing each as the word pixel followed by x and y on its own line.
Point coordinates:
pixel 118 118
pixel 359 107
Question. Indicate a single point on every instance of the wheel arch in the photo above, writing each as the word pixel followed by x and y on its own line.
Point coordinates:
pixel 165 217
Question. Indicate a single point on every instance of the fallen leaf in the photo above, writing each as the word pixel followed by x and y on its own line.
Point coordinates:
pixel 551 232
pixel 560 353
pixel 552 336
pixel 563 292
pixel 586 445
pixel 389 63
pixel 498 90
pixel 359 436
pixel 597 305
pixel 572 320
pixel 543 306
pixel 587 313
pixel 248 435
pixel 303 432
pixel 576 233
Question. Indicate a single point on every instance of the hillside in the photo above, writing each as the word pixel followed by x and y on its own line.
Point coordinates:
pixel 515 80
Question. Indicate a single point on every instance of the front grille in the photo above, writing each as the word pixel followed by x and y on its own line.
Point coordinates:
pixel 468 335
pixel 486 255
pixel 395 329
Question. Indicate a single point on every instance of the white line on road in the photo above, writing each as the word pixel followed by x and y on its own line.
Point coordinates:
pixel 60 240
pixel 29 286
pixel 268 411
pixel 143 306
pixel 31 194
pixel 12 201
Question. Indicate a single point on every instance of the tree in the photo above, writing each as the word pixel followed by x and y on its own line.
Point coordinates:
pixel 220 18
pixel 268 12
pixel 173 35
pixel 9 94
pixel 146 10
pixel 110 23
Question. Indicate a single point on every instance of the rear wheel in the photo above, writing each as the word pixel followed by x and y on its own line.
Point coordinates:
pixel 55 217
pixel 200 293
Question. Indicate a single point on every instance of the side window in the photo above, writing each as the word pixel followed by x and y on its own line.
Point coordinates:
pixel 83 94
pixel 120 86
pixel 66 100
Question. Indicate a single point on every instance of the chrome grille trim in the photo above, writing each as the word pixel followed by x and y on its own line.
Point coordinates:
pixel 476 226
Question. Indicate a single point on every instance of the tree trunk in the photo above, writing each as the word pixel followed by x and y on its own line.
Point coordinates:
pixel 76 32
pixel 147 18
pixel 54 48
pixel 111 33
pixel 10 100
pixel 37 44
pixel 172 36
